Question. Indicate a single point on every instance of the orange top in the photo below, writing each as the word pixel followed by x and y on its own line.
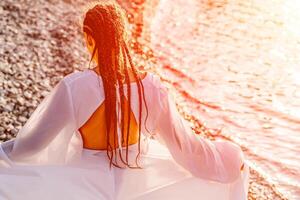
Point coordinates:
pixel 93 132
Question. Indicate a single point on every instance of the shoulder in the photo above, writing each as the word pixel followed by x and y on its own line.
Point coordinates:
pixel 75 77
pixel 156 80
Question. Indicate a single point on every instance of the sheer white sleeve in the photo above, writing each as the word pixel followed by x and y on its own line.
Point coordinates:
pixel 44 137
pixel 219 161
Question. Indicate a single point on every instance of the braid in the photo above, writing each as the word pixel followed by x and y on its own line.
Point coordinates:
pixel 106 23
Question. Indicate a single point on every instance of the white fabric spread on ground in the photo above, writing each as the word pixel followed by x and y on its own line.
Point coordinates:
pixel 47 159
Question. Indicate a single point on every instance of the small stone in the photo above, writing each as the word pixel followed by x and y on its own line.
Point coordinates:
pixel 3 136
pixel 9 108
pixel 6 120
pixel 22 119
pixel 17 84
pixel 27 63
pixel 21 101
pixel 44 93
pixel 22 108
pixel 34 103
pixel 13 90
pixel 46 83
pixel 14 132
pixel 28 94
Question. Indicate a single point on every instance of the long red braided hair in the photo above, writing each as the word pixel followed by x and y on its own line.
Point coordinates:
pixel 106 22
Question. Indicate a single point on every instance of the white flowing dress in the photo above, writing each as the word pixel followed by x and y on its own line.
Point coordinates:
pixel 47 160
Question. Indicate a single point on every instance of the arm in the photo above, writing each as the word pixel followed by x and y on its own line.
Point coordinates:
pixel 53 115
pixel 219 161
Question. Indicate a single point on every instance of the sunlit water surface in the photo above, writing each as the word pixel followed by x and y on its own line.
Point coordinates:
pixel 238 62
